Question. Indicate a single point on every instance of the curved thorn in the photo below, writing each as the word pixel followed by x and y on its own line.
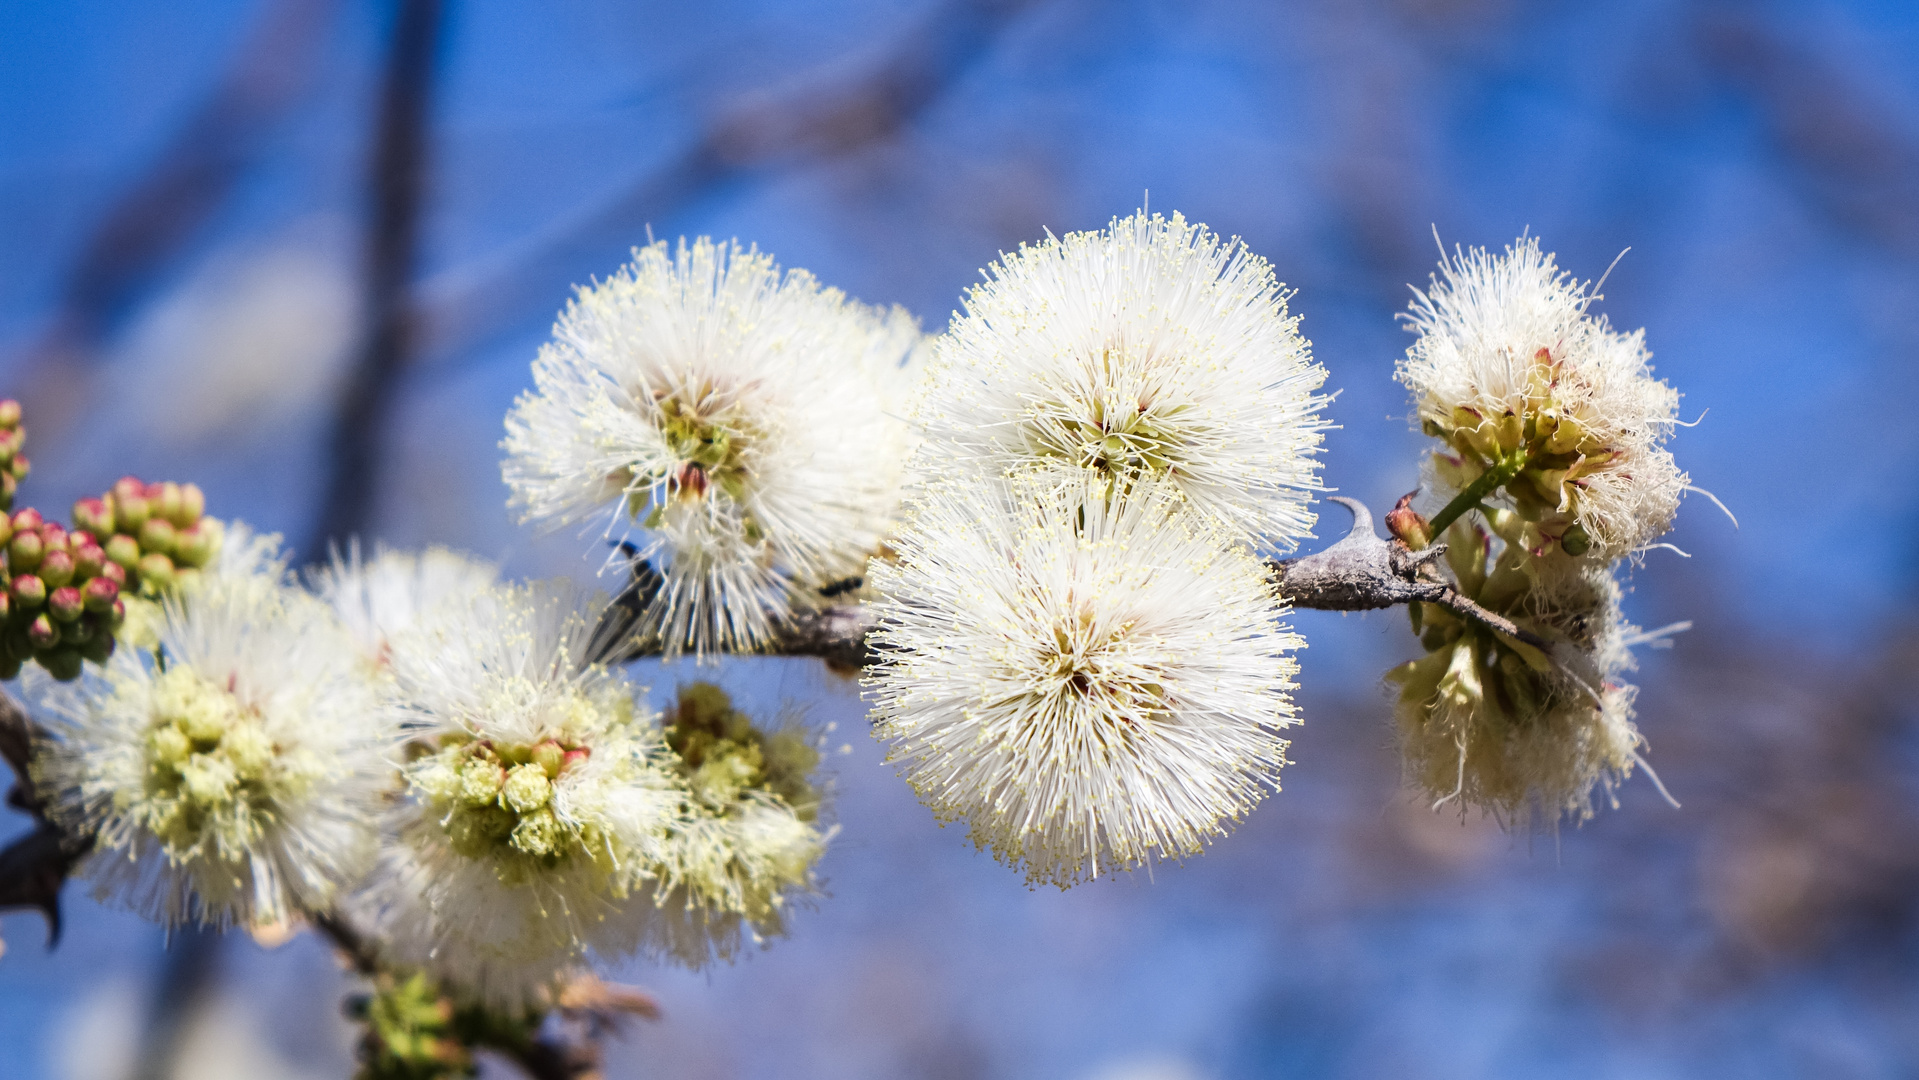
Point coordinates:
pixel 1362 517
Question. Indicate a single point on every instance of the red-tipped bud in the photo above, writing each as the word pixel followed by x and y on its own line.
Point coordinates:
pixel 29 592
pixel 129 485
pixel 115 573
pixel 100 594
pixel 198 544
pixel 53 535
pixel 123 551
pixel 93 515
pixel 1405 523
pixel 574 757
pixel 25 551
pixel 6 530
pixel 130 512
pixel 10 443
pixel 156 570
pixel 56 567
pixel 28 520
pixel 6 604
pixel 19 467
pixel 117 615
pixel 9 413
pixel 88 559
pixel 41 633
pixel 193 502
pixel 158 534
pixel 65 603
pixel 8 485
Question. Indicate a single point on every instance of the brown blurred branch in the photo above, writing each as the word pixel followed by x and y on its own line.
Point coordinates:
pixel 34 867
pixel 466 306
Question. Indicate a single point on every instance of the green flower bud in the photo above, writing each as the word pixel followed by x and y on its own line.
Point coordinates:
pixel 56 567
pixel 170 506
pixel 193 503
pixel 19 467
pixel 65 603
pixel 480 782
pixel 123 551
pixel 28 520
pixel 63 664
pixel 128 486
pixel 1576 540
pixel 88 559
pixel 156 572
pixel 526 788
pixel 550 756
pixel 100 646
pixel 29 592
pixel 186 579
pixel 9 413
pixel 131 511
pixel 8 485
pixel 25 551
pixel 197 544
pixel 114 572
pixel 438 781
pixel 158 534
pixel 6 530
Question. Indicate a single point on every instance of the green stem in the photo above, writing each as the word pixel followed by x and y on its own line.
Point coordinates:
pixel 1489 481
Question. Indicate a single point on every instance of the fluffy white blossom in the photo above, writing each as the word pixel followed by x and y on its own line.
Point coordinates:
pixel 1149 349
pixel 231 769
pixel 1512 370
pixel 1490 722
pixel 536 801
pixel 1089 682
pixel 388 594
pixel 748 419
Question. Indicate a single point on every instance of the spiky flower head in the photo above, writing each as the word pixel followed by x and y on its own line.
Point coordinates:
pixel 746 419
pixel 747 846
pixel 1489 721
pixel 231 771
pixel 1537 398
pixel 1149 350
pixel 392 592
pixel 1089 682
pixel 535 800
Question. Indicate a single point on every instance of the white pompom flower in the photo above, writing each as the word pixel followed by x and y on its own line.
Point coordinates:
pixel 388 594
pixel 1540 400
pixel 535 804
pixel 231 772
pixel 1151 349
pixel 748 420
pixel 1090 683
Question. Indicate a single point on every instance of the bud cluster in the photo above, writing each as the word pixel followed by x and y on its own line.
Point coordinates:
pixel 13 463
pixel 157 533
pixel 61 603
pixel 495 798
pixel 722 755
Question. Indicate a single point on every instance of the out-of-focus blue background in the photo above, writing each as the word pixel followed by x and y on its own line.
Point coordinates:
pixel 183 215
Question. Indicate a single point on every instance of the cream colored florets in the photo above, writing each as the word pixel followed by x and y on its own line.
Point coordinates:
pixel 1150 350
pixel 1513 372
pixel 747 420
pixel 230 770
pixel 1090 683
pixel 536 804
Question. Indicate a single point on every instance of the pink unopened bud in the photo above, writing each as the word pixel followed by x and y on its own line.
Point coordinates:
pixel 24 552
pixel 19 467
pixel 28 519
pixel 88 558
pixel 197 544
pixel 53 535
pixel 29 592
pixel 41 632
pixel 128 486
pixel 123 551
pixel 117 615
pixel 100 594
pixel 93 515
pixel 115 573
pixel 1405 523
pixel 6 605
pixel 156 570
pixel 56 567
pixel 9 413
pixel 158 534
pixel 574 757
pixel 65 603
pixel 10 441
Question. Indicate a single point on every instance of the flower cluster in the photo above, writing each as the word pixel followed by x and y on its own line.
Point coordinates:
pixel 1552 430
pixel 748 421
pixel 1078 654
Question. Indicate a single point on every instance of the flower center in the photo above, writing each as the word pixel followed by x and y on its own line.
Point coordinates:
pixel 212 771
